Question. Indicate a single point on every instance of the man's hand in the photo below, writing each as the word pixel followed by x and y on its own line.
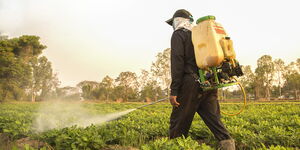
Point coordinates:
pixel 173 101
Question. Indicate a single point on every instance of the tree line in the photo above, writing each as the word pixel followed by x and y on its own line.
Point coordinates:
pixel 150 85
pixel 272 79
pixel 26 75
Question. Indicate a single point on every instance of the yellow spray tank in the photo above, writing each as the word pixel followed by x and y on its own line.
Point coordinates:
pixel 211 43
pixel 215 56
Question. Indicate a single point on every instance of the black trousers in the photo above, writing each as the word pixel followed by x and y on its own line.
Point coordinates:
pixel 192 100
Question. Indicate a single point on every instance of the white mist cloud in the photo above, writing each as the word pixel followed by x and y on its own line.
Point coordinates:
pixel 57 115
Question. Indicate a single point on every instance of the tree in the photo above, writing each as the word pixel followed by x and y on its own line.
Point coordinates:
pixel 68 93
pixel 149 87
pixel 87 88
pixel 23 71
pixel 43 79
pixel 248 80
pixel 279 68
pixel 265 71
pixel 15 68
pixel 293 83
pixel 151 91
pixel 107 84
pixel 28 47
pixel 144 78
pixel 128 81
pixel 119 92
pixel 14 74
pixel 14 77
pixel 161 69
pixel 298 64
pixel 97 93
pixel 292 74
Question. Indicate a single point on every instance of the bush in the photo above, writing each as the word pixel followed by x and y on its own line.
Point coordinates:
pixel 175 144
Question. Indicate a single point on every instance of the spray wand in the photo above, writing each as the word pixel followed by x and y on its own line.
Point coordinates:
pixel 160 100
pixel 117 117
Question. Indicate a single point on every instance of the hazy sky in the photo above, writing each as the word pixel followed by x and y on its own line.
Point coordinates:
pixel 88 39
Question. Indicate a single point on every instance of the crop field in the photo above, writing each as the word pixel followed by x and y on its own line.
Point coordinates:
pixel 260 126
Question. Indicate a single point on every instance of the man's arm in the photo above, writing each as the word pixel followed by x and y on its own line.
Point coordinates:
pixel 177 61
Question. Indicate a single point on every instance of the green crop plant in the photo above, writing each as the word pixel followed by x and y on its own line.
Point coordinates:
pixel 261 126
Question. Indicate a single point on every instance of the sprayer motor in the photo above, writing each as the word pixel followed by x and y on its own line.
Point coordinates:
pixel 231 69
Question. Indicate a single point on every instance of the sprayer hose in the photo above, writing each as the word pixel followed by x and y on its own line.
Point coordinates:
pixel 245 101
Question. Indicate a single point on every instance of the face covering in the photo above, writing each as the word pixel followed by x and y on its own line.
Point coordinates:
pixel 179 23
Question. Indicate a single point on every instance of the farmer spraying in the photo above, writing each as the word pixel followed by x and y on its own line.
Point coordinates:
pixel 187 97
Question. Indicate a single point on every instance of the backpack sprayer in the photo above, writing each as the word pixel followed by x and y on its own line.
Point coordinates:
pixel 215 58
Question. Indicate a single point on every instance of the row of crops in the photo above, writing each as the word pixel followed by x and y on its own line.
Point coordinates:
pixel 261 126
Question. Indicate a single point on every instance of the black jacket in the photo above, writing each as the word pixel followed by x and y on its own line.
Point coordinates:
pixel 182 58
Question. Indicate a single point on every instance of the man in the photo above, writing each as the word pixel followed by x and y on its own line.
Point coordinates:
pixel 186 95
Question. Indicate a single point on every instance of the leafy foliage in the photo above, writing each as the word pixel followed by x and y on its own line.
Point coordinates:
pixel 175 144
pixel 265 72
pixel 258 127
pixel 22 72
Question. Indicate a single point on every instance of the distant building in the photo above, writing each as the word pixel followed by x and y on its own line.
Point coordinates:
pixel 3 37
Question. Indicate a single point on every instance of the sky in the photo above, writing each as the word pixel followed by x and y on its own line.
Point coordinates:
pixel 89 39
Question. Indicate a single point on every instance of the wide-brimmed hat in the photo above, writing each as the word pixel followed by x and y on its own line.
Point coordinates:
pixel 180 13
